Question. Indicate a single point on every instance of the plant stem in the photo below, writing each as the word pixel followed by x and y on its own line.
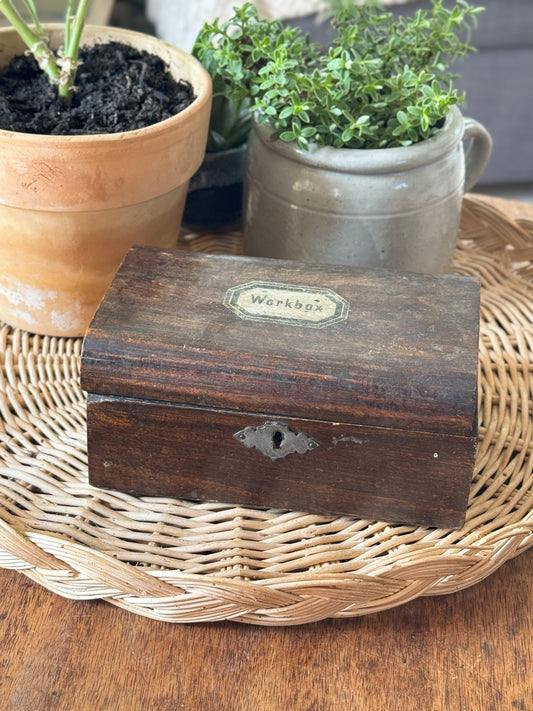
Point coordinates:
pixel 33 39
pixel 61 67
pixel 74 24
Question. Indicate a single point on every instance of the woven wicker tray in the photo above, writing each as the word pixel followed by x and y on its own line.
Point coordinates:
pixel 187 562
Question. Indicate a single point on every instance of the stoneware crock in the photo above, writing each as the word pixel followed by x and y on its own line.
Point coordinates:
pixel 395 207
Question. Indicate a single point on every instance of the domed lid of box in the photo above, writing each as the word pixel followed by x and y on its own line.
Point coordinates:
pixel 336 343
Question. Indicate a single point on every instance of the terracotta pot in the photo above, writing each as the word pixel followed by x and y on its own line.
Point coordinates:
pixel 71 206
pixel 397 208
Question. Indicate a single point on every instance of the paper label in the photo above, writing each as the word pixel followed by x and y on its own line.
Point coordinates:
pixel 290 304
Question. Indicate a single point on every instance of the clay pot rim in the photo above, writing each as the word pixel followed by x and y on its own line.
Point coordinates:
pixel 372 160
pixel 108 170
pixel 203 95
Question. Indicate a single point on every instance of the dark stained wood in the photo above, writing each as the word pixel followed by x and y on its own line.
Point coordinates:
pixel 387 389
pixel 470 651
pixel 406 356
pixel 157 449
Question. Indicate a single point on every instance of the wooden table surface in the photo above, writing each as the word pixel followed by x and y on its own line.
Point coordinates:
pixel 470 651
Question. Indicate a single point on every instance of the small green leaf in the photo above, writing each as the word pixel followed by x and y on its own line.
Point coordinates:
pixel 287 136
pixel 403 120
pixel 347 135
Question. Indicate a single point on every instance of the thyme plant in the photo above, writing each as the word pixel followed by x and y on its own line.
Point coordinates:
pixel 382 82
pixel 60 66
pixel 233 52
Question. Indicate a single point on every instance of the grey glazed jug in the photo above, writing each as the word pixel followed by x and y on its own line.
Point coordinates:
pixel 397 208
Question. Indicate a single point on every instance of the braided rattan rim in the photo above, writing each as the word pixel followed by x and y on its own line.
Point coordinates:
pixel 183 562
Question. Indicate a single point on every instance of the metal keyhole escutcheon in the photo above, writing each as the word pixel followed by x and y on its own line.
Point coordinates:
pixel 276 440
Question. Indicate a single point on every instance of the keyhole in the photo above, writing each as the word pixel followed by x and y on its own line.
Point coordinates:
pixel 277 439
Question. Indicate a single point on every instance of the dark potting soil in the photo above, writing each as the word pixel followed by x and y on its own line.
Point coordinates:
pixel 118 89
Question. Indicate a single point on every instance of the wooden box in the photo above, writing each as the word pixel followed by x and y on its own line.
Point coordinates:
pixel 269 383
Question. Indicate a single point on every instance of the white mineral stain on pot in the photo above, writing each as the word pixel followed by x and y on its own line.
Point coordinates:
pixel 20 293
pixel 65 320
pixel 24 316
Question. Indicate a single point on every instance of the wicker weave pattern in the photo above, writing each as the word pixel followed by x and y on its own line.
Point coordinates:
pixel 183 562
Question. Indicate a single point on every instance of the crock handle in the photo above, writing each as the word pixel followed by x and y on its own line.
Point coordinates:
pixel 478 153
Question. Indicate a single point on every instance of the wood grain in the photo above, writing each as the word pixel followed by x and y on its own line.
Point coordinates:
pixel 161 449
pixel 388 391
pixel 405 356
pixel 470 651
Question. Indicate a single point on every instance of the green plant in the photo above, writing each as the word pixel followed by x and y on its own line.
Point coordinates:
pixel 61 66
pixel 233 53
pixel 383 82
